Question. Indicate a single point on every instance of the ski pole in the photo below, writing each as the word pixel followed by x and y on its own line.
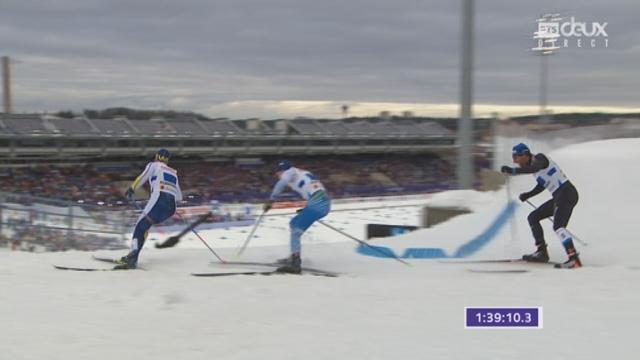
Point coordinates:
pixel 550 218
pixel 512 222
pixel 136 205
pixel 246 242
pixel 389 255
pixel 201 239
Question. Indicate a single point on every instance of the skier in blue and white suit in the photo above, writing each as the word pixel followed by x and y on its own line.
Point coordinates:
pixel 564 197
pixel 165 192
pixel 318 206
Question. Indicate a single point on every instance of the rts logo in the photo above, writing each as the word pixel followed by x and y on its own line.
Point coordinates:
pixel 555 32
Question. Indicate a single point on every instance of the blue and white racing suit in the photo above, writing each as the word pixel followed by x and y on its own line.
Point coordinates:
pixel 165 192
pixel 311 189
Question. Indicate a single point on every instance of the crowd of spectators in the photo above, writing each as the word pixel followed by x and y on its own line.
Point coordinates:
pixel 231 181
pixel 63 182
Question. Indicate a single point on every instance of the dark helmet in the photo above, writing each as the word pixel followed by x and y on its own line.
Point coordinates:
pixel 520 149
pixel 283 165
pixel 163 155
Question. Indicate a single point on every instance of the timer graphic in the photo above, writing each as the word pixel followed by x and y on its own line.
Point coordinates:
pixel 503 317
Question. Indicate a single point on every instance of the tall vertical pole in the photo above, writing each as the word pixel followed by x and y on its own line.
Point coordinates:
pixel 544 79
pixel 465 127
pixel 495 132
pixel 6 85
pixel 546 36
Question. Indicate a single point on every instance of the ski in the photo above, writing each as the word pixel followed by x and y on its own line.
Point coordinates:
pixel 498 271
pixel 73 268
pixel 97 258
pixel 265 273
pixel 272 265
pixel 249 263
pixel 83 269
pixel 497 261
pixel 173 240
pixel 481 261
pixel 107 260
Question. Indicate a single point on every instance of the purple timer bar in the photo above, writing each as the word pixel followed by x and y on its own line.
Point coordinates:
pixel 503 317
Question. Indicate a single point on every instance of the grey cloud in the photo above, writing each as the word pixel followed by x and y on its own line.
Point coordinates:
pixel 77 54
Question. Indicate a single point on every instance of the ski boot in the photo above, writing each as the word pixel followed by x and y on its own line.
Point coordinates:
pixel 292 265
pixel 540 255
pixel 573 262
pixel 130 261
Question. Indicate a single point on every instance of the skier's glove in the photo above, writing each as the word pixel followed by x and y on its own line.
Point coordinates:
pixel 129 193
pixel 524 196
pixel 267 206
pixel 507 170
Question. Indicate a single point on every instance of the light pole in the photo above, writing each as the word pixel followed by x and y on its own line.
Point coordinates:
pixel 547 35
pixel 6 85
pixel 465 126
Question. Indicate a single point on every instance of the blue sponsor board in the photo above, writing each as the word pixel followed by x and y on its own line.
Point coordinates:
pixel 467 249
pixel 383 230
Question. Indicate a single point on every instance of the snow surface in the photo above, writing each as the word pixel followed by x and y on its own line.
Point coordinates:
pixel 378 308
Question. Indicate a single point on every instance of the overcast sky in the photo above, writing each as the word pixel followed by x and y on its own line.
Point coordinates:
pixel 283 58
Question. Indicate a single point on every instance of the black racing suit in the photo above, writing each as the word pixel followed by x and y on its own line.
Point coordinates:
pixel 564 199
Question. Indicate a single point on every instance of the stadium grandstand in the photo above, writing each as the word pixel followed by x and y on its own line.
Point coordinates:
pixel 45 137
pixel 91 160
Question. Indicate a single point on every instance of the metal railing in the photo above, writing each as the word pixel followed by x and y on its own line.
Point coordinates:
pixel 41 224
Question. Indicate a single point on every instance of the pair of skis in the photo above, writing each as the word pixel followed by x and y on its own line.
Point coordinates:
pixel 97 258
pixel 272 271
pixel 498 261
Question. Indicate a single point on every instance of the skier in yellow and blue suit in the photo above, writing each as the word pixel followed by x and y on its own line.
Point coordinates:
pixel 165 192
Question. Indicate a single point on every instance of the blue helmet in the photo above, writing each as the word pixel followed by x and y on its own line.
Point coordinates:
pixel 163 155
pixel 520 149
pixel 283 165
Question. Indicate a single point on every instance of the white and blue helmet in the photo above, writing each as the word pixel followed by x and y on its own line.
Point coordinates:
pixel 283 165
pixel 520 149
